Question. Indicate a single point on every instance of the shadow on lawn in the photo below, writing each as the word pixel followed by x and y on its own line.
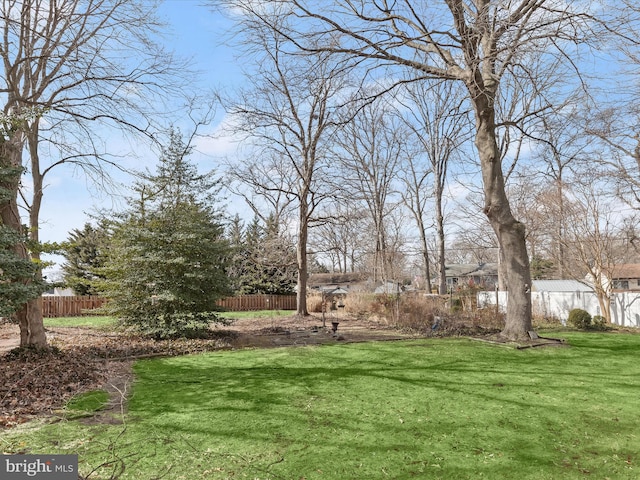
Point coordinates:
pixel 505 376
pixel 404 400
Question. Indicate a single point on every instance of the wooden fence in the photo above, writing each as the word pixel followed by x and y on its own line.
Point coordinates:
pixel 245 303
pixel 75 306
pixel 70 306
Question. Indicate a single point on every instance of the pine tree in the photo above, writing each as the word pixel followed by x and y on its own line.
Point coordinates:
pixel 263 262
pixel 84 252
pixel 279 262
pixel 168 255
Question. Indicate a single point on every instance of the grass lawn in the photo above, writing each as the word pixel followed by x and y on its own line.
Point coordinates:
pixel 89 321
pixel 256 314
pixel 110 322
pixel 450 409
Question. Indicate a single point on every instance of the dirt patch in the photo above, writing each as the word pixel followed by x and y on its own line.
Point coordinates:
pixel 9 337
pixel 312 330
pixel 118 386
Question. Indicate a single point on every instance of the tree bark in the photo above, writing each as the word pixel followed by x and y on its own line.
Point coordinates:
pixel 425 252
pixel 32 333
pixel 303 234
pixel 442 274
pixel 510 232
pixel 30 315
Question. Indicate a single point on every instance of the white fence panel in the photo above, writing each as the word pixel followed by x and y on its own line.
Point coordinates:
pixel 625 309
pixel 625 306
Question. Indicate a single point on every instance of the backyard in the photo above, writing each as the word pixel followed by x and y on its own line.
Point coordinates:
pixel 404 408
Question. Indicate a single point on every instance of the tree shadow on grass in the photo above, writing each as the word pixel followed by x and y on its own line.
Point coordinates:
pixel 370 400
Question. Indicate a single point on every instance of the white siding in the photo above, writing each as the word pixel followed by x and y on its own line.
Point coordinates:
pixel 625 306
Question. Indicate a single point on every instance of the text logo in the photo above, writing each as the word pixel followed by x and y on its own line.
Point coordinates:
pixel 39 467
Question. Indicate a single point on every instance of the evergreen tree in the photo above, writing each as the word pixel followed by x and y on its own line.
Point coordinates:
pixel 168 255
pixel 541 268
pixel 263 261
pixel 279 263
pixel 238 262
pixel 84 252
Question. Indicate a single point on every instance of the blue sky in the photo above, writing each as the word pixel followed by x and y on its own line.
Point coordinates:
pixel 196 34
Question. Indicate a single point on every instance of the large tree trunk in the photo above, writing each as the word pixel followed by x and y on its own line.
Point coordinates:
pixel 32 333
pixel 425 253
pixel 510 232
pixel 30 315
pixel 303 234
pixel 442 274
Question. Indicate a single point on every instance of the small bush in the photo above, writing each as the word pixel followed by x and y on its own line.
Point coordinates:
pixel 165 326
pixel 580 319
pixel 599 323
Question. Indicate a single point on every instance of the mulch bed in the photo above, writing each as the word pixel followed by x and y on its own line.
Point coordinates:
pixel 38 382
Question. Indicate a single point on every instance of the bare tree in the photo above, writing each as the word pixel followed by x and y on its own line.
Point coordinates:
pixel 474 240
pixel 266 185
pixel 287 113
pixel 615 118
pixel 592 241
pixel 530 201
pixel 477 42
pixel 369 148
pixel 618 133
pixel 340 236
pixel 81 65
pixel 565 147
pixel 440 123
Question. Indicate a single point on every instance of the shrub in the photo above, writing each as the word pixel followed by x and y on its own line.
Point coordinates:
pixel 456 305
pixel 314 303
pixel 580 319
pixel 599 323
pixel 541 322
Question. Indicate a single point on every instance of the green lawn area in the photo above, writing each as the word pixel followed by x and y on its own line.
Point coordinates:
pixel 110 322
pixel 442 408
pixel 256 314
pixel 89 321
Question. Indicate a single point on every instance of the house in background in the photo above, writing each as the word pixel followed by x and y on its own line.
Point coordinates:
pixel 483 275
pixel 560 286
pixel 626 277
pixel 59 292
pixel 337 282
pixel 343 283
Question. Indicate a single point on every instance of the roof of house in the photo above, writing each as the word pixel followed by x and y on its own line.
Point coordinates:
pixel 320 279
pixel 389 288
pixel 626 270
pixel 560 286
pixel 471 269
